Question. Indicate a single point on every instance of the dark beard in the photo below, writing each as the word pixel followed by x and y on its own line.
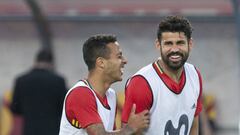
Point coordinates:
pixel 175 65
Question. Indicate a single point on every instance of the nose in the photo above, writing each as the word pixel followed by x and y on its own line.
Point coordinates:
pixel 175 48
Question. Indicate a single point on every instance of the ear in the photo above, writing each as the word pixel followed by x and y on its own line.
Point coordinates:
pixel 100 62
pixel 157 44
pixel 190 44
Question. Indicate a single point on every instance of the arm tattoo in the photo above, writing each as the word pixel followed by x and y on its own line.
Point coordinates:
pixel 98 129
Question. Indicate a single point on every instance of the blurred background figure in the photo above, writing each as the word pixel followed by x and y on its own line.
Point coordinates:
pixel 5 114
pixel 210 108
pixel 38 98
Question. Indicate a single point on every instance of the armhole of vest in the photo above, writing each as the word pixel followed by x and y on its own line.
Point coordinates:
pixel 200 86
pixel 149 87
pixel 199 80
pixel 65 105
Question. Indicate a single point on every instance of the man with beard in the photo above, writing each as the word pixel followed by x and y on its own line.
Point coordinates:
pixel 90 105
pixel 169 88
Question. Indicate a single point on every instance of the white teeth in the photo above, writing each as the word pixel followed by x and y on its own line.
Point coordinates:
pixel 122 70
pixel 175 56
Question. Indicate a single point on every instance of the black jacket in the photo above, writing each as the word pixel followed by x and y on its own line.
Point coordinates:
pixel 38 97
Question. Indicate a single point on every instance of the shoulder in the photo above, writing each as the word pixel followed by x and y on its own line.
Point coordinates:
pixel 55 74
pixel 139 86
pixel 136 79
pixel 192 69
pixel 23 76
pixel 80 91
pixel 139 75
pixel 80 96
pixel 188 65
pixel 145 69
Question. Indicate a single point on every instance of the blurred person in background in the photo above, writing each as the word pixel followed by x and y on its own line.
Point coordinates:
pixel 90 105
pixel 204 127
pixel 169 87
pixel 209 115
pixel 38 97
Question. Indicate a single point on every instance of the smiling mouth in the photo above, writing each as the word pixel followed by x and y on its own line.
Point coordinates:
pixel 175 58
pixel 122 70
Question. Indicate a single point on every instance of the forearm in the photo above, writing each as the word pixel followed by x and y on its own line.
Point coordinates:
pixel 139 132
pixel 136 122
pixel 98 129
pixel 126 130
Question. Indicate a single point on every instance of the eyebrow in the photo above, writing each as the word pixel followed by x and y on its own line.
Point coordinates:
pixel 168 42
pixel 181 41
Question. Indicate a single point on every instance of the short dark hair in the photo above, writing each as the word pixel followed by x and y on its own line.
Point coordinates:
pixel 44 55
pixel 175 24
pixel 96 46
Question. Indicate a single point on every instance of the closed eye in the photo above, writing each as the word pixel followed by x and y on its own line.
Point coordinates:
pixel 119 55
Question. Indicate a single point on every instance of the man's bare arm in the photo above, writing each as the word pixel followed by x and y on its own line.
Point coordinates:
pixel 98 129
pixel 135 123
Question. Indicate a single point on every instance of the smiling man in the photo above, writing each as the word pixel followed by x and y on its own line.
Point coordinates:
pixel 169 87
pixel 90 105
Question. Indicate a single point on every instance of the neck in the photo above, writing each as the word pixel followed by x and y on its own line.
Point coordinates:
pixel 173 74
pixel 98 84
